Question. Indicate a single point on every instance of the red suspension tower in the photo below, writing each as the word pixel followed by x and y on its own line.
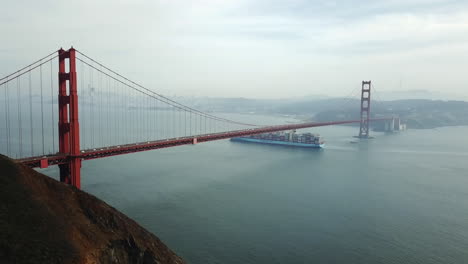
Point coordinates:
pixel 69 128
pixel 365 109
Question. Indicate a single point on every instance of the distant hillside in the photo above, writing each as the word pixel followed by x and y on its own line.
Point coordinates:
pixel 418 113
pixel 45 221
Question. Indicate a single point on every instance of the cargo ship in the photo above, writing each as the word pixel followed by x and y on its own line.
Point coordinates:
pixel 306 140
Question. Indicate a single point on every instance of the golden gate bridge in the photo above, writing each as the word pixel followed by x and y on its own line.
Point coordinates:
pixel 94 112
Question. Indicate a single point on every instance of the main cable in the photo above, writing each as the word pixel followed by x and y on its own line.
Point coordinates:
pixel 9 78
pixel 20 70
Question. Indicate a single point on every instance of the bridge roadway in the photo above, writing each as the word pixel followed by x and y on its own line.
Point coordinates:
pixel 88 154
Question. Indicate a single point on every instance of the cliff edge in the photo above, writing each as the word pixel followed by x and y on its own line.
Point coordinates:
pixel 45 221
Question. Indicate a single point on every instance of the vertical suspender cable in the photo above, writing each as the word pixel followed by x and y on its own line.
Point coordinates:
pixel 42 110
pixel 177 122
pixel 91 97
pixel 168 121
pixel 150 115
pixel 52 107
pixel 152 120
pixel 124 116
pixel 7 117
pixel 100 109
pixel 81 96
pixel 129 118
pixel 124 121
pixel 20 130
pixel 144 115
pixel 170 124
pixel 136 115
pixel 90 110
pixel 155 120
pixel 108 110
pixel 158 115
pixel 163 123
pixel 147 117
pixel 30 114
pixel 144 99
pixel 149 112
pixel 141 119
pixel 119 116
pixel 120 134
pixel 141 126
pixel 114 114
pixel 195 124
pixel 117 112
pixel 173 122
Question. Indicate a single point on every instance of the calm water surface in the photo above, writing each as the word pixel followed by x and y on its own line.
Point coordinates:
pixel 400 198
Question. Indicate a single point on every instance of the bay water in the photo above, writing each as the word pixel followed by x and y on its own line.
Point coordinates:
pixel 396 198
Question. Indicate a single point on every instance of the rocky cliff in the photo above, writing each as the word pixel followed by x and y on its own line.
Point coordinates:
pixel 45 221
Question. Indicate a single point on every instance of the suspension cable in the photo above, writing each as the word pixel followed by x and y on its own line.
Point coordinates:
pixel 157 94
pixel 20 70
pixel 16 74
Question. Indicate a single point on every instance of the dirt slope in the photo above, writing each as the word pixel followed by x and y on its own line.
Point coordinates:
pixel 45 221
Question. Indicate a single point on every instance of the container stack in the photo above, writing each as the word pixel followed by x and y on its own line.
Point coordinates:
pixel 306 138
pixel 289 138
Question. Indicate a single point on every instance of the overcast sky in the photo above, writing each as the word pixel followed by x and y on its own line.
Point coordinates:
pixel 252 48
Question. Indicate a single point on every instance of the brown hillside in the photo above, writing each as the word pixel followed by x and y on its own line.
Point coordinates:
pixel 45 221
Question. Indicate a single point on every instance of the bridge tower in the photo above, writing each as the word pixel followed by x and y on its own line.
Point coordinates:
pixel 365 109
pixel 69 128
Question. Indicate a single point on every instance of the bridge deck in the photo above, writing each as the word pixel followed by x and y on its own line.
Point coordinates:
pixel 88 154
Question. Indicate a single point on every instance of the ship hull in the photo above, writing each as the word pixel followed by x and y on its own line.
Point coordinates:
pixel 275 142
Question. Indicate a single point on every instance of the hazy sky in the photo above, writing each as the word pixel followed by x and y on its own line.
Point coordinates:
pixel 252 48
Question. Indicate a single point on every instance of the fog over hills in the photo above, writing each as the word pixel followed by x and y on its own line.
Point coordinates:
pixel 418 113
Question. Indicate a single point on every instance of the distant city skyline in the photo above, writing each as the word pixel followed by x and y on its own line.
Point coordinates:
pixel 253 49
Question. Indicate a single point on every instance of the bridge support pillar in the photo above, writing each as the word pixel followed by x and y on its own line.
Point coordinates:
pixel 69 128
pixel 365 109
